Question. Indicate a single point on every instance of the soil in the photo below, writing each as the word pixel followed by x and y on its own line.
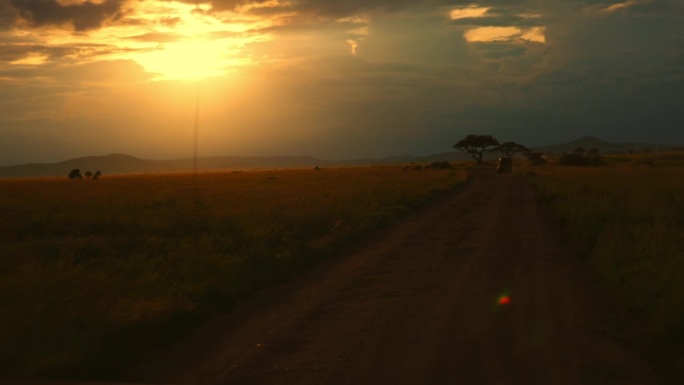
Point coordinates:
pixel 475 289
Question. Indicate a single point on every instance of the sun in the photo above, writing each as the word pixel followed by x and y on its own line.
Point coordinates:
pixel 190 59
pixel 196 44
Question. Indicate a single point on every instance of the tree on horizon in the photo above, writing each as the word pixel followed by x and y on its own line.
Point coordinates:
pixel 476 145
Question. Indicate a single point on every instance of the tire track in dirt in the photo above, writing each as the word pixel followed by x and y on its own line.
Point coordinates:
pixel 418 305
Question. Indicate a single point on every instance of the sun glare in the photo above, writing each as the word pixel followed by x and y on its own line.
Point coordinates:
pixel 199 45
pixel 186 60
pixel 171 40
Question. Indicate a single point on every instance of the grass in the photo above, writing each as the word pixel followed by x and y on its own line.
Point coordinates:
pixel 627 220
pixel 94 273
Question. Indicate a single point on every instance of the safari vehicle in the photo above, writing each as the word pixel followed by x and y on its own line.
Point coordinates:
pixel 505 165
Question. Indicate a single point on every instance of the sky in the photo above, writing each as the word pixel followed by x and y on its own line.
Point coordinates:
pixel 335 79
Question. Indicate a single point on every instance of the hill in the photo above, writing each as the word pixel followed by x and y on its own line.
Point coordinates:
pixel 110 164
pixel 125 164
pixel 588 142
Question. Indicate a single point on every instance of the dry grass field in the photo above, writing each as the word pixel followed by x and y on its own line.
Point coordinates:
pixel 627 219
pixel 95 272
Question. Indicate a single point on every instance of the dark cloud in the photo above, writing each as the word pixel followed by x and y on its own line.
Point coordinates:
pixel 82 17
pixel 657 8
pixel 498 51
pixel 499 21
pixel 232 4
pixel 7 15
pixel 221 5
pixel 330 8
pixel 336 8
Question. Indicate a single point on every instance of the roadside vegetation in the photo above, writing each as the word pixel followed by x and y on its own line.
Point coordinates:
pixel 93 274
pixel 626 218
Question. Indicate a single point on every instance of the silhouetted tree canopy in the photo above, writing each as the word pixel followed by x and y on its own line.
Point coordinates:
pixel 508 149
pixel 579 151
pixel 593 153
pixel 476 145
pixel 75 174
pixel 584 157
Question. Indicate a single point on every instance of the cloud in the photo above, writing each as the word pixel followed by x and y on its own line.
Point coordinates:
pixel 8 15
pixel 505 34
pixel 223 5
pixel 617 6
pixel 81 15
pixel 157 37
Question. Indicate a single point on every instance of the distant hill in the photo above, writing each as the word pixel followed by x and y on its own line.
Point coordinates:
pixel 588 142
pixel 109 164
pixel 126 164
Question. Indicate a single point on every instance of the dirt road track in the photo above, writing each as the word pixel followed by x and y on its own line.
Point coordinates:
pixel 419 305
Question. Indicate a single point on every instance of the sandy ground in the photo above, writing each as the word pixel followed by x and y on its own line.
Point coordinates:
pixel 419 304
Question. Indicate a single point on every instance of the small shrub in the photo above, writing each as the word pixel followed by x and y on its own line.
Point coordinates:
pixel 439 165
pixel 535 158
pixel 576 159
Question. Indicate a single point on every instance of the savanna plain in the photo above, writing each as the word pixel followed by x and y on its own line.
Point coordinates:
pixel 95 273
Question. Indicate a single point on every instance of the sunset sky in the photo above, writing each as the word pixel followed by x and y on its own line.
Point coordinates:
pixel 333 78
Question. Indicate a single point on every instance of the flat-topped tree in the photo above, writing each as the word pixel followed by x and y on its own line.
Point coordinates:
pixel 476 145
pixel 508 149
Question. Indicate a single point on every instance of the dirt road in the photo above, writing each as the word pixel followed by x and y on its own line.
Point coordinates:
pixel 420 305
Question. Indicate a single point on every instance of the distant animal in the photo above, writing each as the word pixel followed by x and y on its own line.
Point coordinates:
pixel 75 174
pixel 97 174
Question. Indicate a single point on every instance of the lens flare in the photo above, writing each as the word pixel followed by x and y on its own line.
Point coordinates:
pixel 504 298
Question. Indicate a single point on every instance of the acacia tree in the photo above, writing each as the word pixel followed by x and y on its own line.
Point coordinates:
pixel 476 145
pixel 508 149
